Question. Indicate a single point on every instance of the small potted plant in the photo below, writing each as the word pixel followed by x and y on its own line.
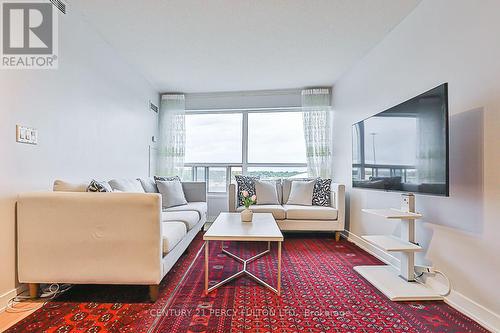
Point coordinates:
pixel 247 214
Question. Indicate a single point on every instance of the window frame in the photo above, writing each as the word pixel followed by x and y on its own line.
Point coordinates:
pixel 244 151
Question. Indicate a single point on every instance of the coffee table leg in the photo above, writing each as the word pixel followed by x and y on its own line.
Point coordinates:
pixel 206 267
pixel 279 269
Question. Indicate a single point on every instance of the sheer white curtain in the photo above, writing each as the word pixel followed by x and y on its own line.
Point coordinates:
pixel 172 125
pixel 316 107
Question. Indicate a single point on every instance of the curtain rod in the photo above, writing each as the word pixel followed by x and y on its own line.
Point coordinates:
pixel 284 108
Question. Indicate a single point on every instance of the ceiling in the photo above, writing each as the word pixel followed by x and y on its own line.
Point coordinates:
pixel 237 45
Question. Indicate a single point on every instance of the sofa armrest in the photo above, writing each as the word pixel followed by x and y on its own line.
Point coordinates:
pixel 195 191
pixel 338 201
pixel 81 237
pixel 232 198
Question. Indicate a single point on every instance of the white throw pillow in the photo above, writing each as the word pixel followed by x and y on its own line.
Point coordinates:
pixel 126 185
pixel 63 186
pixel 301 193
pixel 266 192
pixel 172 193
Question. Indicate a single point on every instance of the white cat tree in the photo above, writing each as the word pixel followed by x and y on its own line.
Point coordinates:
pixel 398 285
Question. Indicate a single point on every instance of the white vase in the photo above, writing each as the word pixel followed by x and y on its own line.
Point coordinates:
pixel 246 215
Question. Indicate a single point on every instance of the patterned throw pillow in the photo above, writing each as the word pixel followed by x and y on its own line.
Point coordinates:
pixel 321 193
pixel 97 186
pixel 245 183
pixel 166 179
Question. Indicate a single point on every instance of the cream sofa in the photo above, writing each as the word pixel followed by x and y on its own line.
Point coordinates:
pixel 104 238
pixel 300 218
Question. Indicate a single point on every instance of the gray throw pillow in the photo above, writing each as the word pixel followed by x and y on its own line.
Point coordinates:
pixel 148 184
pixel 301 193
pixel 266 192
pixel 172 193
pixel 126 185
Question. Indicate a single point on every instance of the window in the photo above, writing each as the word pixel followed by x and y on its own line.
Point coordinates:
pixel 276 137
pixel 217 179
pixel 213 138
pixel 219 145
pixel 187 174
pixel 278 172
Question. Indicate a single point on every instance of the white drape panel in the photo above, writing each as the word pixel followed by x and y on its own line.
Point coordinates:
pixel 172 126
pixel 317 131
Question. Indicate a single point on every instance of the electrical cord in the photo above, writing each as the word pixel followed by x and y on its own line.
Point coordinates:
pixel 48 294
pixel 435 271
pixel 447 281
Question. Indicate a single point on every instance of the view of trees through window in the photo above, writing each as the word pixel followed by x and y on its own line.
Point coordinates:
pixel 219 146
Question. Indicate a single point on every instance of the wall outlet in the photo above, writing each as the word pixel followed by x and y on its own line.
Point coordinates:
pixel 26 135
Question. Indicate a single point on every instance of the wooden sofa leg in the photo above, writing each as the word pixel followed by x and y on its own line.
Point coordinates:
pixel 154 290
pixel 337 236
pixel 34 287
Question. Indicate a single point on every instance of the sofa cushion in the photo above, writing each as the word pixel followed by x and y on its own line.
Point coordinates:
pixel 126 185
pixel 148 184
pixel 172 233
pixel 277 210
pixel 301 193
pixel 99 186
pixel 189 218
pixel 172 193
pixel 200 207
pixel 321 193
pixel 296 212
pixel 266 192
pixel 62 186
pixel 166 179
pixel 245 183
pixel 286 186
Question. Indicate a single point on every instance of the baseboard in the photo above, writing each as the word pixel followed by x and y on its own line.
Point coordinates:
pixel 479 313
pixel 465 305
pixel 4 298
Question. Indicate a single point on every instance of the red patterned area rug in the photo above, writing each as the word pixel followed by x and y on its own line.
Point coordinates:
pixel 320 293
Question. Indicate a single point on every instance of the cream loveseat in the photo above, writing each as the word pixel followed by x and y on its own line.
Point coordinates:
pixel 104 238
pixel 298 217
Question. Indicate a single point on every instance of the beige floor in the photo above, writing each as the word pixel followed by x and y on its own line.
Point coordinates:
pixel 9 318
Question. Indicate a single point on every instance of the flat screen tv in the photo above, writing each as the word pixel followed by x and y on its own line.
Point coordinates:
pixel 404 148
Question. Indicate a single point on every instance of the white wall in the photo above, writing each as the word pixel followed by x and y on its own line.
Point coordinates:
pixel 93 121
pixel 440 41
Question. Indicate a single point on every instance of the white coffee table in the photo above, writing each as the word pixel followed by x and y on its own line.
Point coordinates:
pixel 228 227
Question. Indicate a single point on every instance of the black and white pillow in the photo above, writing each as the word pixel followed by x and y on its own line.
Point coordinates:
pixel 321 193
pixel 166 179
pixel 97 186
pixel 245 183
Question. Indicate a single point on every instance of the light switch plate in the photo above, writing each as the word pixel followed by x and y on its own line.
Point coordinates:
pixel 26 135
